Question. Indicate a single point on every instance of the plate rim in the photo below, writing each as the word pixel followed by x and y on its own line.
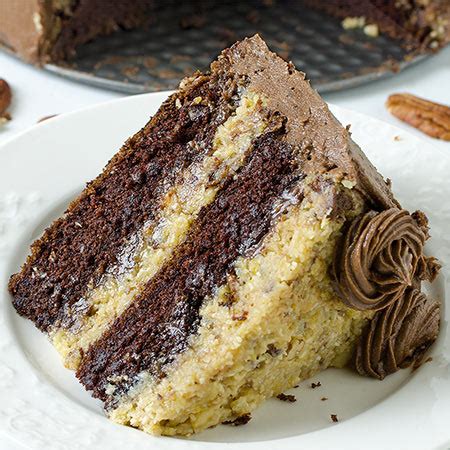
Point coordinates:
pixel 288 442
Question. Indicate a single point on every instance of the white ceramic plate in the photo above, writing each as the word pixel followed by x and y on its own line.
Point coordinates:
pixel 43 407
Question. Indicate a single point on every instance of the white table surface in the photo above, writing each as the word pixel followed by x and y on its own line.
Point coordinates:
pixel 37 93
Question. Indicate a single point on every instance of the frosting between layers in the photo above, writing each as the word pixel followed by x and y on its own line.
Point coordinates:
pixel 398 336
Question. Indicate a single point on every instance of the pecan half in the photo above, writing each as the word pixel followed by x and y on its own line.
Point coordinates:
pixel 5 96
pixel 429 117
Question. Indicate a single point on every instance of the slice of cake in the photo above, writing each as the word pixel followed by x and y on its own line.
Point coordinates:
pixel 237 244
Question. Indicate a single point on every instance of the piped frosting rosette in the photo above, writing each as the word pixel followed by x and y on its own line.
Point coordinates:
pixel 378 266
pixel 398 335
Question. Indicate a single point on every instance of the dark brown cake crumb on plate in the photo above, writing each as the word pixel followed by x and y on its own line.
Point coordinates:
pixel 42 119
pixel 241 420
pixel 334 418
pixel 286 398
pixel 316 385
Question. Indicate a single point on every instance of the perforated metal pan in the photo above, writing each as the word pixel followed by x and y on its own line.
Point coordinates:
pixel 182 41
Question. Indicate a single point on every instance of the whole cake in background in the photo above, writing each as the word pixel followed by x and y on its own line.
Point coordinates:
pixel 42 31
pixel 239 243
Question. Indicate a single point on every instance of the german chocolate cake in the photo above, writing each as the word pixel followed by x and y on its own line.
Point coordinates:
pixel 237 244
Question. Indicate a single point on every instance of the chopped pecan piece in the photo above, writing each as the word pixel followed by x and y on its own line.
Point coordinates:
pixel 429 117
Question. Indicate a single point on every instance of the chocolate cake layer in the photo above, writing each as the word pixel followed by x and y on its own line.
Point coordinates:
pixel 79 248
pixel 157 325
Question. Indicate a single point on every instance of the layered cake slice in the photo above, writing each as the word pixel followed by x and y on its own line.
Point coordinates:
pixel 237 244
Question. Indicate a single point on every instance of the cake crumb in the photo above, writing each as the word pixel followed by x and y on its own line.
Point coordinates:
pixel 334 418
pixel 348 184
pixel 42 119
pixel 241 420
pixel 350 23
pixel 286 398
pixel 434 44
pixel 316 385
pixel 371 30
pixel 323 399
pixel 397 138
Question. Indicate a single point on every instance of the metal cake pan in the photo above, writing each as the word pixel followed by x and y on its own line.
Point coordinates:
pixel 179 42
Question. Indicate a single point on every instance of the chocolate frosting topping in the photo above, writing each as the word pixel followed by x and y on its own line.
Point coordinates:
pixel 324 144
pixel 379 265
pixel 398 336
pixel 379 256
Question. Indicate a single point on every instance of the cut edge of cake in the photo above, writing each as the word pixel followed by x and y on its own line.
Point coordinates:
pixel 237 301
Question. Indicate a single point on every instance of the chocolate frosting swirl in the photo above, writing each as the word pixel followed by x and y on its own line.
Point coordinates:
pixel 398 336
pixel 378 257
